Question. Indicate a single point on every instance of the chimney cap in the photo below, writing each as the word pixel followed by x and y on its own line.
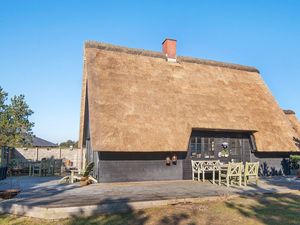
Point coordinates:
pixel 169 39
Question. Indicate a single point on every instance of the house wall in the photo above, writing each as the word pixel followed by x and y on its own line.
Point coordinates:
pixel 118 167
pixel 124 167
pixel 273 163
pixel 142 166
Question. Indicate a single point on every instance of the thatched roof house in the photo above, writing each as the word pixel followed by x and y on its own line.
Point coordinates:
pixel 137 101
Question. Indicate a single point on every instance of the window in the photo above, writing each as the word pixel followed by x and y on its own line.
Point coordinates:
pixel 209 148
pixel 195 147
pixel 212 150
pixel 208 145
pixel 235 147
pixel 202 147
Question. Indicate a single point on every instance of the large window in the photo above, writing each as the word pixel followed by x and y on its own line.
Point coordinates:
pixel 210 145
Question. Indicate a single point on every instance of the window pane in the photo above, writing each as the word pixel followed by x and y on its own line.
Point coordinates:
pixel 212 149
pixel 206 148
pixel 193 149
pixel 193 140
pixel 198 147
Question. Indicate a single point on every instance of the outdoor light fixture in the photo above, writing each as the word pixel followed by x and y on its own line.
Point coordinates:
pixel 168 161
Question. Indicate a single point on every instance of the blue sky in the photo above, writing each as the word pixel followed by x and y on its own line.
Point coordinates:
pixel 41 46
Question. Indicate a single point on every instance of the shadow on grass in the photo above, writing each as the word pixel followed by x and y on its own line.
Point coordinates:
pixel 130 218
pixel 110 212
pixel 175 219
pixel 7 218
pixel 134 218
pixel 120 212
pixel 270 209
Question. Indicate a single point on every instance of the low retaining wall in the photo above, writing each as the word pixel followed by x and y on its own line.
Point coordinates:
pixel 38 153
pixel 55 213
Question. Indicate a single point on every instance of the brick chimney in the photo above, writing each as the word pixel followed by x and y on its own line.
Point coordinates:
pixel 169 49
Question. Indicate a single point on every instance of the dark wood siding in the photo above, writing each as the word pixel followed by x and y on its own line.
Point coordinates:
pixel 187 169
pixel 126 166
pixel 273 163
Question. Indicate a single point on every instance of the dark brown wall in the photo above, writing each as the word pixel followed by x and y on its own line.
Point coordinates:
pixel 276 163
pixel 118 167
pixel 145 166
pixel 121 167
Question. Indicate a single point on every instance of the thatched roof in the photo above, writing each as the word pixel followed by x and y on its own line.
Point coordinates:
pixel 294 122
pixel 134 100
pixel 142 52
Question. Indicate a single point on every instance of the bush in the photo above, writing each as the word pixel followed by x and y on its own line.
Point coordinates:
pixel 295 159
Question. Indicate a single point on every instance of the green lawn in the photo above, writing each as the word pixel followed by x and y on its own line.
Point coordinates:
pixel 261 209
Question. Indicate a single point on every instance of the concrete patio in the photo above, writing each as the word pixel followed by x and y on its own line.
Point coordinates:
pixel 44 197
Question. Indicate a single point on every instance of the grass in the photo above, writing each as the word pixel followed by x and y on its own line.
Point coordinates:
pixel 260 209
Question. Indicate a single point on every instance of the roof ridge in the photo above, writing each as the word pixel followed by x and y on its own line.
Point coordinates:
pixel 288 111
pixel 143 52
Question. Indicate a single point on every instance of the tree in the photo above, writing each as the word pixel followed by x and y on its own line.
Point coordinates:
pixel 15 127
pixel 68 143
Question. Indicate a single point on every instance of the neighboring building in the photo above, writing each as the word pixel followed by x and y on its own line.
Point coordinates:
pixel 141 107
pixel 41 143
pixel 41 148
pixel 15 153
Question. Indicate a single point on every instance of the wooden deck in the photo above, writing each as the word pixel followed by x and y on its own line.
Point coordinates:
pixel 47 193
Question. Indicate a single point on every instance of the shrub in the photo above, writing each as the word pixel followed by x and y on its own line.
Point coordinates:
pixel 295 159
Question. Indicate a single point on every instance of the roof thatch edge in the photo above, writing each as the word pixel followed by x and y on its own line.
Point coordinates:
pixel 143 52
pixel 288 111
